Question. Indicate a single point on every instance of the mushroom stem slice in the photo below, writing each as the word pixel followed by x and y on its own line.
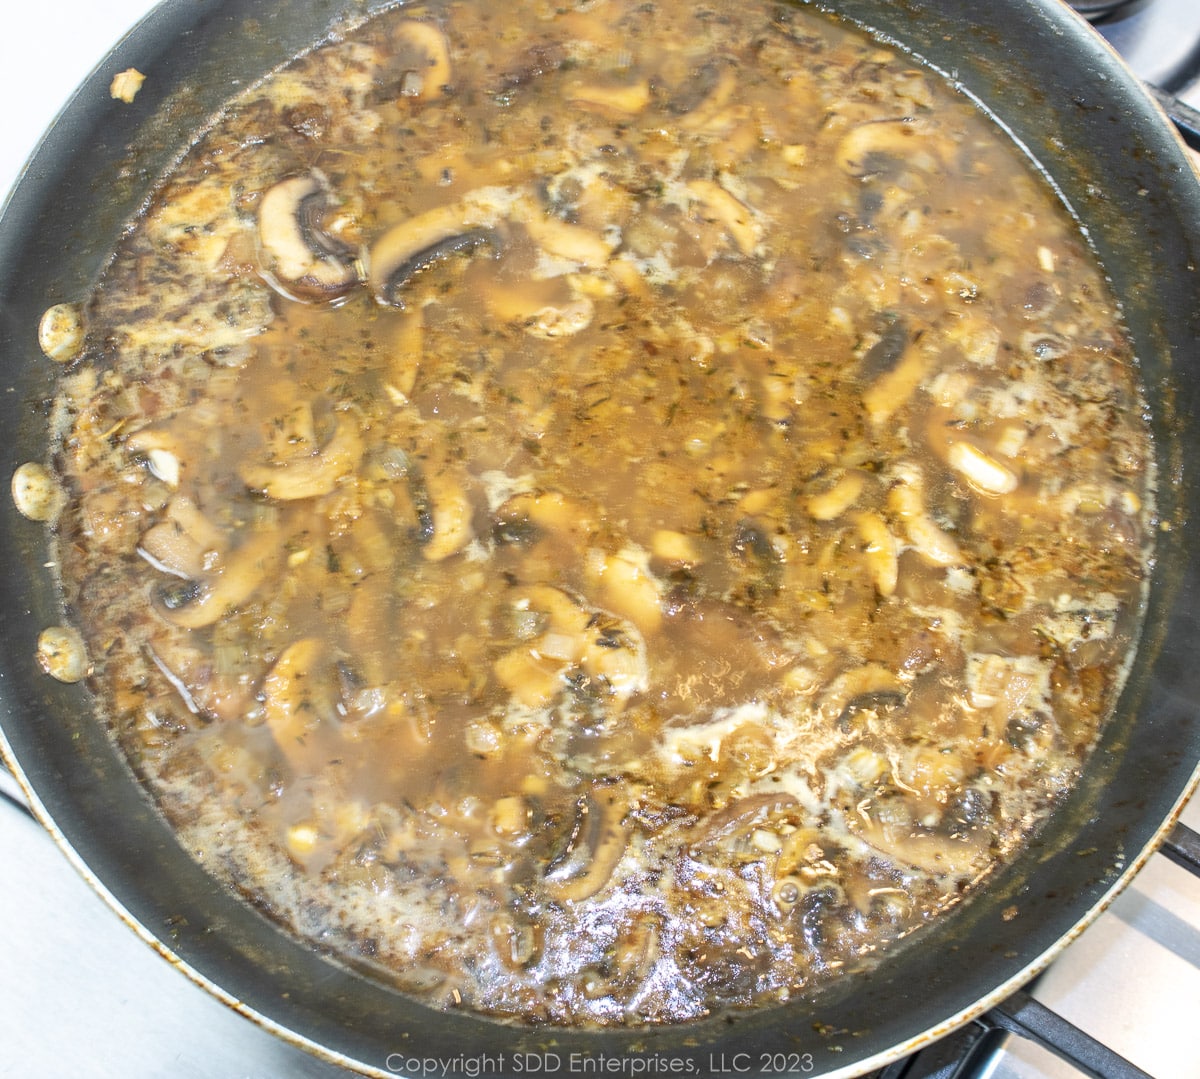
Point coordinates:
pixel 450 513
pixel 877 145
pixel 564 240
pixel 714 202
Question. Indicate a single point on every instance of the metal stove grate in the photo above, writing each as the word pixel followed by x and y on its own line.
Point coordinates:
pixel 970 1053
pixel 1098 9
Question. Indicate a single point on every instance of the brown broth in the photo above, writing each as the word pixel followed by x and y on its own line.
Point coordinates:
pixel 707 566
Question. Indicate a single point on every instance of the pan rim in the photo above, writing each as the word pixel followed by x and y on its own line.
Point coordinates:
pixel 81 864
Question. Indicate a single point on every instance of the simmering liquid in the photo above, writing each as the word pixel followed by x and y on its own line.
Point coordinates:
pixel 604 512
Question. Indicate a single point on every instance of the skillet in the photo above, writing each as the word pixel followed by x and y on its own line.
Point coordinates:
pixel 1063 96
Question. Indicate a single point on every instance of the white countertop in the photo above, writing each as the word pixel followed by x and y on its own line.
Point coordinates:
pixel 46 51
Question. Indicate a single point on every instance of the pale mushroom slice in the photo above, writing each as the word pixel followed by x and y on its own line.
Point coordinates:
pixel 877 145
pixel 309 475
pixel 427 53
pixel 300 257
pixel 417 243
pixel 203 600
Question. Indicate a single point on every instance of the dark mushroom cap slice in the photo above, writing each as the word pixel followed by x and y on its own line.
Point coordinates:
pixel 299 256
pixel 418 242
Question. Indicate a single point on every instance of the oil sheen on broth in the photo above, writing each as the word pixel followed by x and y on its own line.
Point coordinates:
pixel 607 512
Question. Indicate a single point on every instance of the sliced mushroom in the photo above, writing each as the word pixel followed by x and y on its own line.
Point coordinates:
pixel 830 497
pixel 162 453
pixel 875 146
pixel 982 472
pixel 450 514
pixel 524 517
pixel 406 355
pixel 1010 681
pixel 287 700
pixel 201 601
pixel 883 356
pixel 628 587
pixel 566 321
pixel 878 701
pixel 545 509
pixel 595 845
pixel 881 551
pixel 574 637
pixel 184 543
pixel 567 241
pixel 705 98
pixel 889 390
pixel 714 202
pixel 310 475
pixel 869 687
pixel 743 814
pixel 422 504
pixel 411 246
pixel 426 53
pixel 675 548
pixel 169 549
pixel 932 853
pixel 616 655
pixel 546 308
pixel 299 256
pixel 906 499
pixel 612 98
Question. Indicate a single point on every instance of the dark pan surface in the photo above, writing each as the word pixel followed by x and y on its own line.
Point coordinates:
pixel 1038 70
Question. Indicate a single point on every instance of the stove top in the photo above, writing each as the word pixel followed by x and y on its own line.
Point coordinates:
pixel 1159 39
pixel 81 995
